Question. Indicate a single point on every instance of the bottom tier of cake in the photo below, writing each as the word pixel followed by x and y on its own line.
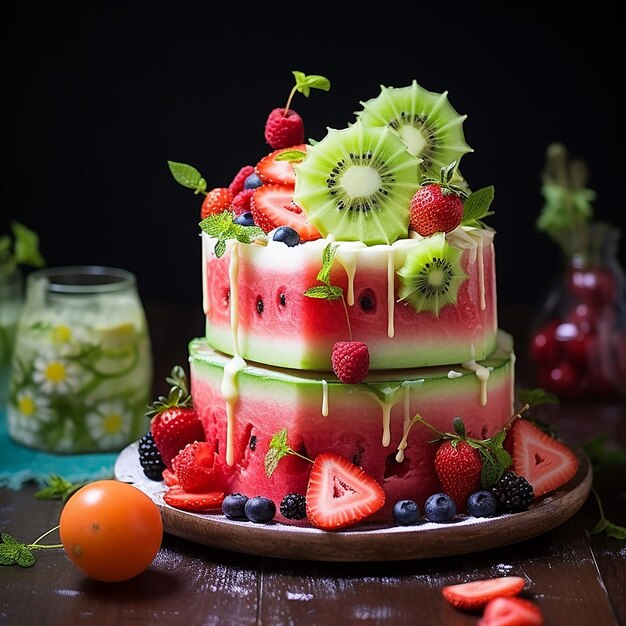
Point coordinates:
pixel 243 405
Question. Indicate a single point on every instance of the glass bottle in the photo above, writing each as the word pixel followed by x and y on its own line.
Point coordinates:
pixel 578 341
pixel 11 298
pixel 81 372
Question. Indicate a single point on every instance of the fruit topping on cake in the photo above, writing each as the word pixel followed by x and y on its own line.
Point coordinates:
pixel 356 184
pixel 238 183
pixel 351 360
pixel 426 122
pixel 217 200
pixel 277 167
pixel 284 127
pixel 174 421
pixel 198 502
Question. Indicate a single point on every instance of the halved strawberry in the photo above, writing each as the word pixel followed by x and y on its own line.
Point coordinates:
pixel 476 594
pixel 169 477
pixel 511 612
pixel 272 206
pixel 176 497
pixel 543 461
pixel 340 493
pixel 276 172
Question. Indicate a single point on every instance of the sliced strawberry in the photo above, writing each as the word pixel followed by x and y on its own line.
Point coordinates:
pixel 340 493
pixel 511 612
pixel 195 468
pixel 273 171
pixel 169 477
pixel 216 201
pixel 476 594
pixel 176 497
pixel 543 461
pixel 272 206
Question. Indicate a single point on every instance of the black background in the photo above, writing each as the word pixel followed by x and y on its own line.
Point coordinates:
pixel 98 96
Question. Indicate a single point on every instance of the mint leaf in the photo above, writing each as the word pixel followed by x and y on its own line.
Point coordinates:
pixel 187 176
pixel 476 206
pixel 321 291
pixel 278 448
pixel 602 457
pixel 26 246
pixel 537 396
pixel 8 550
pixel 58 489
pixel 328 256
pixel 222 227
pixel 305 83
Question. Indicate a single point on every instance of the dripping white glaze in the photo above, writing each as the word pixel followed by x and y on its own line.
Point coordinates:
pixel 386 409
pixel 482 373
pixel 324 398
pixel 454 374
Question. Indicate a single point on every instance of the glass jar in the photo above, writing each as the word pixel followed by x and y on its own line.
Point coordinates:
pixel 11 298
pixel 578 340
pixel 81 371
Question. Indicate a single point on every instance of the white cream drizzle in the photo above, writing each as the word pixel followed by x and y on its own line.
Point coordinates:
pixel 482 373
pixel 386 409
pixel 454 374
pixel 348 261
pixel 229 387
pixel 324 398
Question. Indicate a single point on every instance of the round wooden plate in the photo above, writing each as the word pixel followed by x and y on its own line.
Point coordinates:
pixel 367 542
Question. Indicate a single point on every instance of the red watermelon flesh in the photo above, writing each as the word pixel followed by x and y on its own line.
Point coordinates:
pixel 280 326
pixel 271 399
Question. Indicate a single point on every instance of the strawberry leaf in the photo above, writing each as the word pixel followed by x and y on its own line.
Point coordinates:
pixel 476 206
pixel 187 176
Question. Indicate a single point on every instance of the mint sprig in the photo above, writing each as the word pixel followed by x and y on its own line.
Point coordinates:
pixel 188 176
pixel 14 552
pixel 222 227
pixel 278 449
pixel 606 526
pixel 304 84
pixel 58 489
pixel 326 291
pixel 19 248
pixel 476 207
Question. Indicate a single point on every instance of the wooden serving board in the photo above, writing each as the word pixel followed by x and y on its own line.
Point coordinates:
pixel 365 542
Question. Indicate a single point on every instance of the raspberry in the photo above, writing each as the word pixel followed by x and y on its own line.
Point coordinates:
pixel 241 202
pixel 351 361
pixel 236 184
pixel 284 129
pixel 216 201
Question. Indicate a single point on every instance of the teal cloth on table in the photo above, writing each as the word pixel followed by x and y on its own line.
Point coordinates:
pixel 19 464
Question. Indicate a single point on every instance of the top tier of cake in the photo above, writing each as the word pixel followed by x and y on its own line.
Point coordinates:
pixel 255 303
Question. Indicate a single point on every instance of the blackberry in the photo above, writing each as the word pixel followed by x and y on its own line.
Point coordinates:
pixel 513 493
pixel 293 506
pixel 150 458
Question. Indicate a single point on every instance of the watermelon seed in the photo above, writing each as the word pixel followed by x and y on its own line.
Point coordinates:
pixel 259 306
pixel 367 301
pixel 282 300
pixel 226 298
pixel 252 444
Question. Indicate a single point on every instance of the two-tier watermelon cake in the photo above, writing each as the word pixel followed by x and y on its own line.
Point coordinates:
pixel 349 289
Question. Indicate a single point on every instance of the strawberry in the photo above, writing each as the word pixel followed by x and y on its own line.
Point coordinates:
pixel 542 460
pixel 236 185
pixel 194 467
pixel 197 502
pixel 475 595
pixel 241 202
pixel 174 422
pixel 459 467
pixel 272 206
pixel 339 493
pixel 216 201
pixel 169 477
pixel 284 128
pixel 273 169
pixel 351 361
pixel 511 611
pixel 438 205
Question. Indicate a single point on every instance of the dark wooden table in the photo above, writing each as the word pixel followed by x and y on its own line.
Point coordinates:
pixel 577 579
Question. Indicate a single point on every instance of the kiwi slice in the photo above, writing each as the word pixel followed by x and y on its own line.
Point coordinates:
pixel 431 275
pixel 426 121
pixel 356 184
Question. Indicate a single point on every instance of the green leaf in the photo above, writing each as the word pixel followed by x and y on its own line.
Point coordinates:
pixel 58 489
pixel 292 156
pixel 278 448
pixel 328 256
pixel 459 427
pixel 26 246
pixel 305 83
pixel 476 206
pixel 537 396
pixel 24 557
pixel 602 457
pixel 187 176
pixel 608 527
pixel 222 227
pixel 220 248
pixel 8 550
pixel 490 473
pixel 321 291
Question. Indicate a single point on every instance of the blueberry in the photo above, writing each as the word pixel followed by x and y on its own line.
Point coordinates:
pixel 260 510
pixel 233 506
pixel 287 235
pixel 440 508
pixel 245 219
pixel 252 182
pixel 482 504
pixel 406 512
